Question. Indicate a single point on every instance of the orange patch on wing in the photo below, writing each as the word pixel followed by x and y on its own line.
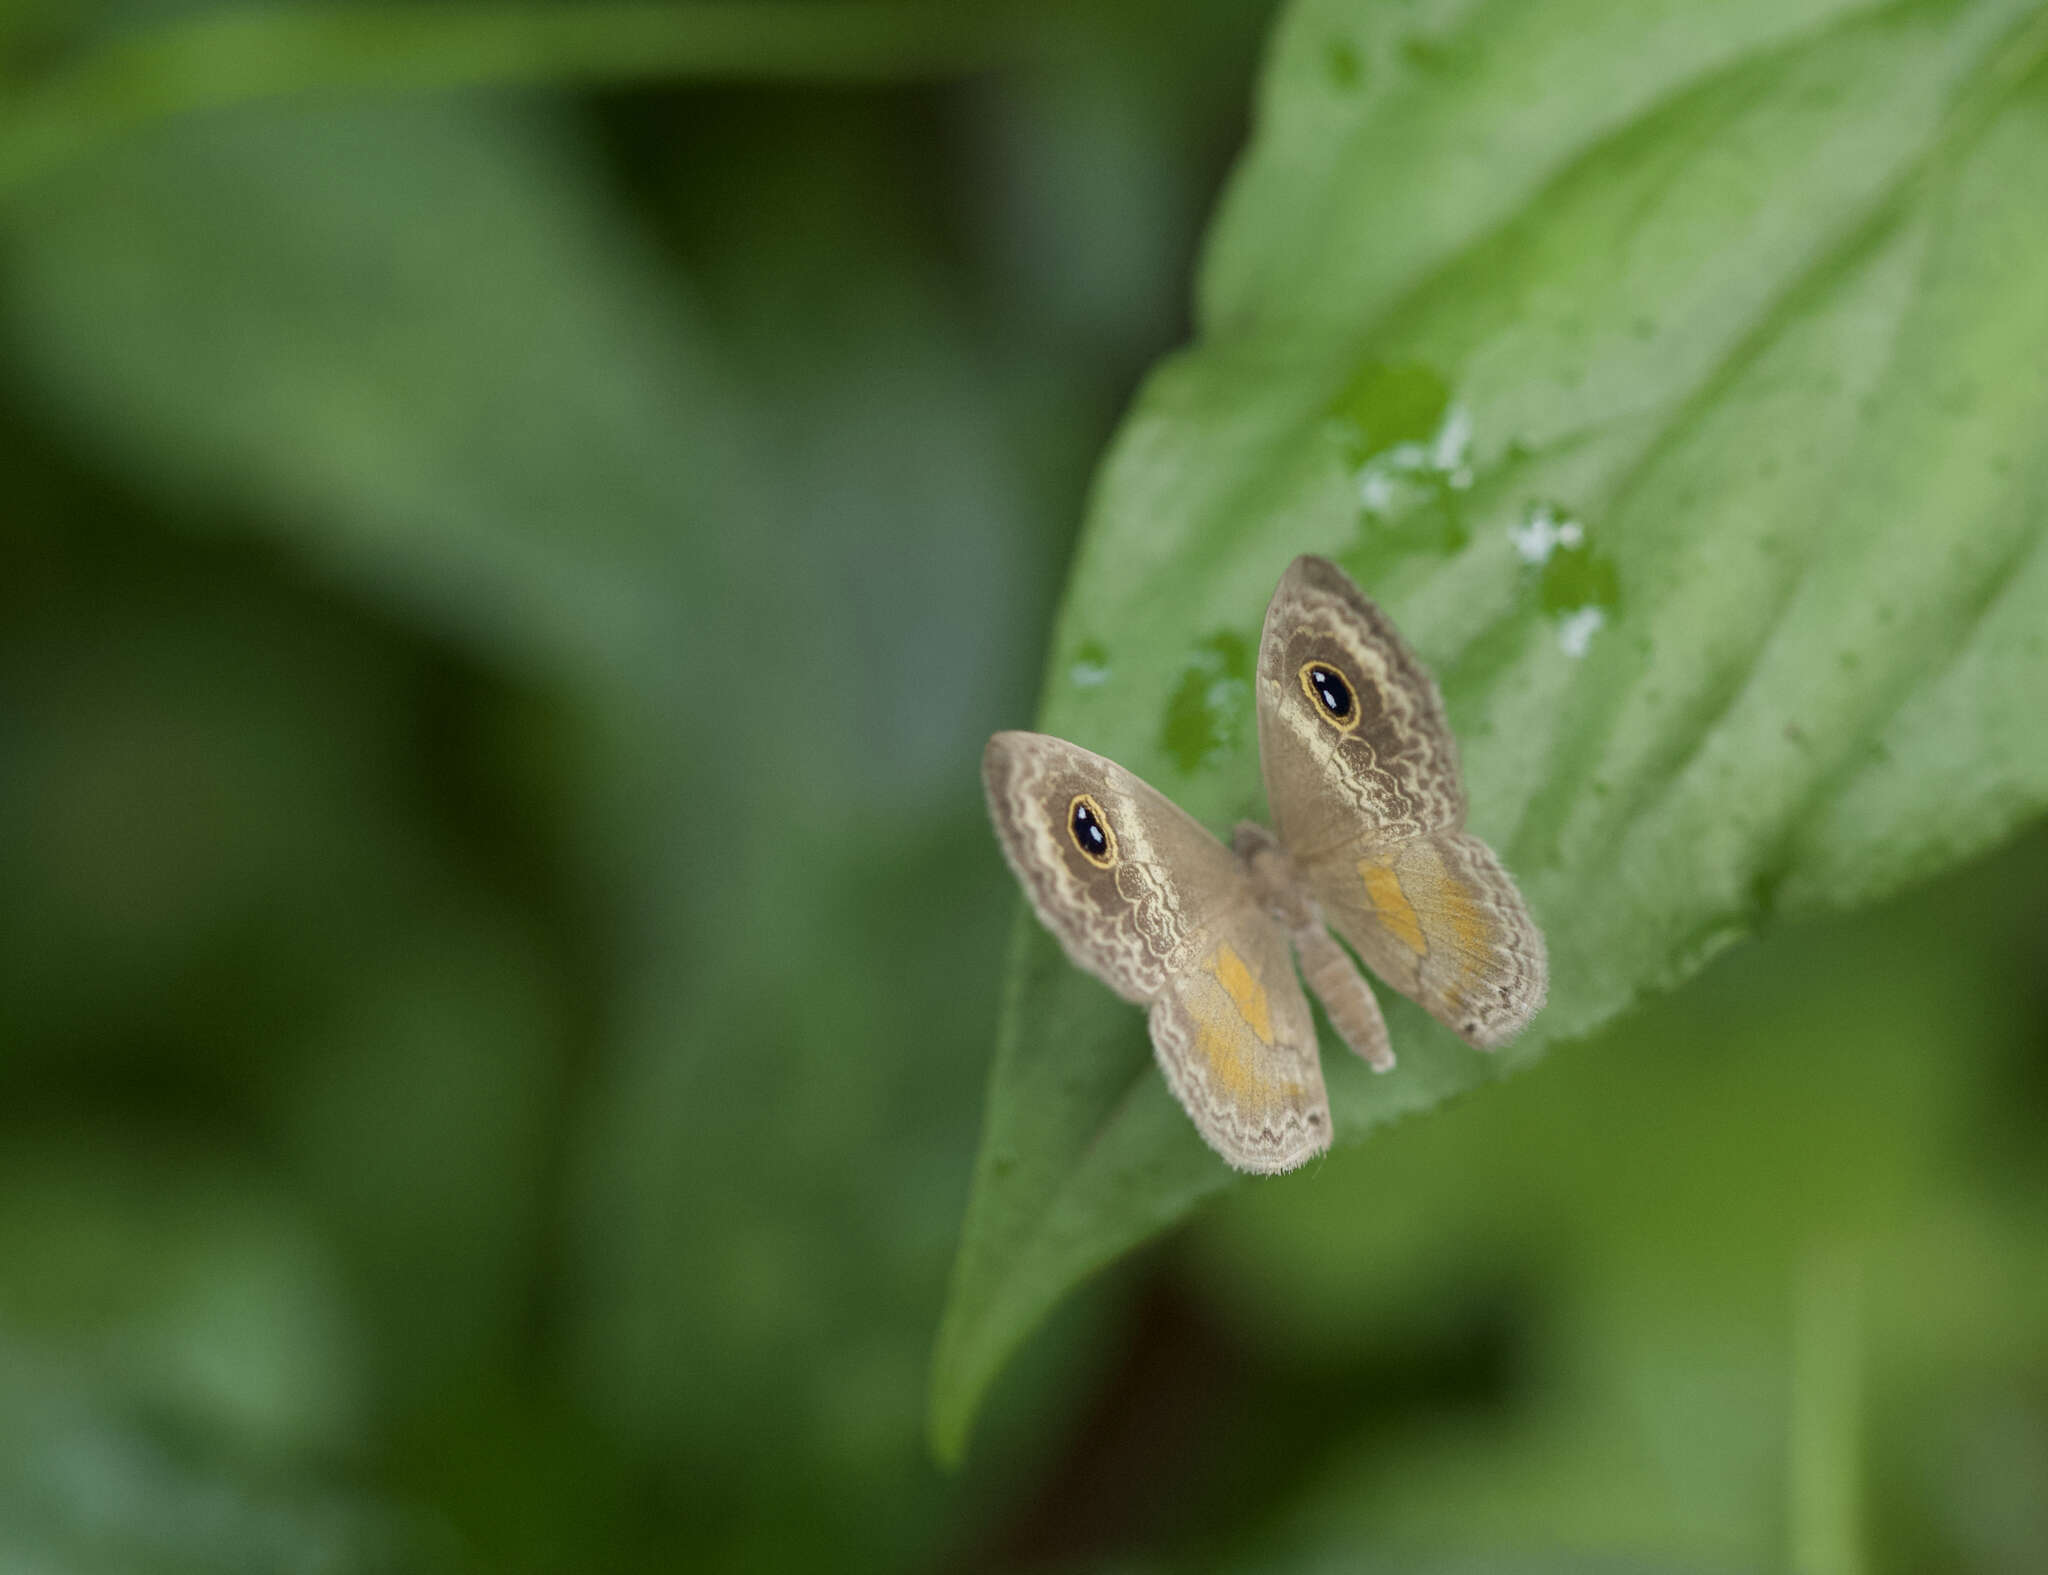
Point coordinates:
pixel 1391 905
pixel 1245 992
pixel 1229 1072
pixel 1467 949
pixel 1468 923
pixel 1233 1073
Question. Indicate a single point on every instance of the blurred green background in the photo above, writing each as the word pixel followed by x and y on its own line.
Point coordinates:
pixel 502 592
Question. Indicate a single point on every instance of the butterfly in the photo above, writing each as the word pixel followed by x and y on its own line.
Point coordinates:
pixel 1368 837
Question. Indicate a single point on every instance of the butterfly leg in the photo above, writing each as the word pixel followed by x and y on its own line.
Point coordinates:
pixel 1345 995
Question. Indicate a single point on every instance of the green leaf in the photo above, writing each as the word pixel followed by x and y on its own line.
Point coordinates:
pixel 1675 377
pixel 512 454
pixel 239 55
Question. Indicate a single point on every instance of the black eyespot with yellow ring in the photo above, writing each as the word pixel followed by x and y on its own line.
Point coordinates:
pixel 1089 828
pixel 1330 692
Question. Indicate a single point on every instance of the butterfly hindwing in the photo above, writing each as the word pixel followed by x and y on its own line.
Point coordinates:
pixel 1143 897
pixel 1237 1044
pixel 1362 779
pixel 1440 920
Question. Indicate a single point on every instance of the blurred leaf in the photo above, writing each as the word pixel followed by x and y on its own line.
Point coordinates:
pixel 1652 1212
pixel 239 54
pixel 200 1291
pixel 1726 539
pixel 172 811
pixel 812 1016
pixel 434 356
pixel 87 1486
pixel 280 1062
pixel 1348 1560
pixel 290 316
pixel 438 1058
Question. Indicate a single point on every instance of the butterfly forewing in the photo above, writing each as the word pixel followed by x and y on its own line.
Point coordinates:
pixel 1113 867
pixel 1352 734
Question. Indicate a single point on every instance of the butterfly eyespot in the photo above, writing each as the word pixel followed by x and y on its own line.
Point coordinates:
pixel 1330 692
pixel 1089 828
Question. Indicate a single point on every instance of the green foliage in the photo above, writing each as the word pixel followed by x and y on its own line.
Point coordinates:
pixel 1774 1273
pixel 232 55
pixel 501 597
pixel 500 603
pixel 1674 377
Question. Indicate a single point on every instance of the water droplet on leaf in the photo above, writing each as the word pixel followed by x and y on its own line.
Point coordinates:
pixel 1090 666
pixel 1211 706
pixel 1408 447
pixel 1573 578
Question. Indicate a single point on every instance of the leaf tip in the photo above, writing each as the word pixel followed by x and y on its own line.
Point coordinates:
pixel 949 1413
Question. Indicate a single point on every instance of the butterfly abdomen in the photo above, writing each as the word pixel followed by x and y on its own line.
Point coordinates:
pixel 1353 1010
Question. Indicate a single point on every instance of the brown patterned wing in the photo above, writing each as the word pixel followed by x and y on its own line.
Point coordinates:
pixel 1143 897
pixel 1235 1039
pixel 1123 876
pixel 1441 921
pixel 1352 733
pixel 1362 777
